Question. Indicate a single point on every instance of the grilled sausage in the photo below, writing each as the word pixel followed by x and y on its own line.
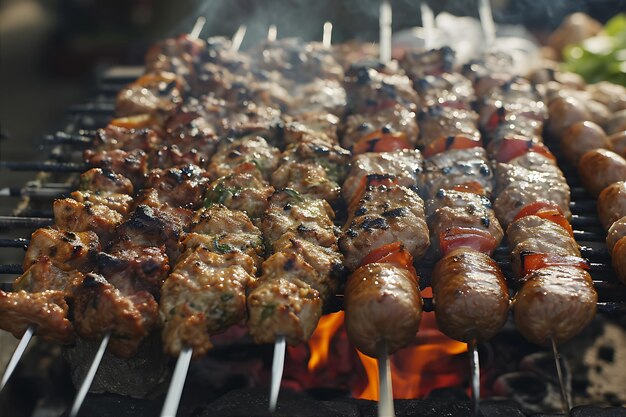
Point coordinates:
pixel 564 112
pixel 599 168
pixel 582 137
pixel 616 232
pixel 557 301
pixel 470 295
pixel 618 255
pixel 618 143
pixel 612 203
pixel 382 303
pixel 617 123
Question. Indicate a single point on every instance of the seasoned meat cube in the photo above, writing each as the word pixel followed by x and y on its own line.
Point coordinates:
pixel 242 190
pixel 77 250
pixel 525 180
pixel 328 262
pixel 100 180
pixel 615 233
pixel 319 95
pixel 451 208
pixel 235 152
pixel 100 308
pixel 290 211
pixel 255 120
pixel 306 178
pixel 132 165
pixel 405 165
pixel 46 310
pixel 282 303
pixel 333 158
pixel 47 275
pixel 382 302
pixel 121 203
pixel 171 156
pixel 75 216
pixel 612 203
pixel 384 215
pixel 432 62
pixel 151 93
pixel 499 107
pixel 557 301
pixel 447 90
pixel 533 234
pixel 180 186
pixel 456 167
pixel 115 137
pixel 470 295
pixel 132 268
pixel 441 122
pixel 393 119
pixel 153 198
pixel 189 130
pixel 204 295
pixel 322 126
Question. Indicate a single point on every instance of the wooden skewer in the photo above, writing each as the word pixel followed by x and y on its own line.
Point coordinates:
pixel 278 364
pixel 238 38
pixel 385 401
pixel 486 21
pixel 91 373
pixel 175 390
pixel 327 35
pixel 428 23
pixel 566 403
pixel 384 22
pixel 17 355
pixel 272 33
pixel 475 375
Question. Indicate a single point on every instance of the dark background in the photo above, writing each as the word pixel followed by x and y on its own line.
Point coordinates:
pixel 51 50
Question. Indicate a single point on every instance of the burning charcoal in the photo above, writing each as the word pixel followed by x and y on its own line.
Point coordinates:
pixel 253 403
pixel 529 390
pixel 439 407
pixel 592 411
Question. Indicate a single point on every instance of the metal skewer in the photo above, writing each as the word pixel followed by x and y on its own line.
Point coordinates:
pixel 567 405
pixel 10 221
pixel 175 390
pixel 14 243
pixel 272 33
pixel 278 364
pixel 385 401
pixel 44 166
pixel 84 387
pixel 475 372
pixel 384 22
pixel 17 355
pixel 327 35
pixel 197 27
pixel 33 192
pixel 486 21
pixel 428 23
pixel 238 38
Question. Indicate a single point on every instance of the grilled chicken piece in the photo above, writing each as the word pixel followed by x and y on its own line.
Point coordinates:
pixel 446 90
pixel 451 208
pixel 189 130
pixel 433 62
pixel 370 90
pixel 47 310
pixel 456 167
pixel 154 93
pixel 309 218
pixel 132 268
pixel 179 186
pixel 172 53
pixel 204 295
pixel 382 302
pixel 381 216
pixel 99 308
pixel 557 301
pixel 283 302
pixel 76 249
pixel 532 234
pixel 319 95
pixel 525 180
pixel 242 190
pixel 438 122
pixel 314 150
pixel 612 203
pixel 322 126
pixel 255 120
pixel 152 197
pixel 171 156
pixel 470 295
pixel 115 137
pixel 599 168
pixel 132 165
pixel 393 119
pixel 100 180
pixel 121 203
pixel 223 231
pixel 231 154
pixel 309 179
pixel 75 216
pixel 405 165
pixel 46 274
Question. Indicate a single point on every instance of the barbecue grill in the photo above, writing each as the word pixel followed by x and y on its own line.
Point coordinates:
pixel 32 203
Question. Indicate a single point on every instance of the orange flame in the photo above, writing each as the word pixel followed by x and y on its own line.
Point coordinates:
pixel 319 343
pixel 371 390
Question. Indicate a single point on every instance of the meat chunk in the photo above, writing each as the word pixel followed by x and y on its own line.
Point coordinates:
pixel 45 275
pixel 446 89
pixel 334 159
pixel 441 122
pixel 599 168
pixel 616 232
pixel 115 137
pixel 255 150
pixel 405 165
pixel 132 164
pixel 290 211
pixel 384 215
pixel 397 120
pixel 157 93
pixel 121 203
pixel 554 302
pixel 75 216
pixel 204 295
pixel 382 303
pixel 308 179
pixel 101 180
pixel 582 137
pixel 612 203
pixel 470 295
pixel 190 130
pixel 76 249
pixel 618 256
pixel 432 62
pixel 282 302
pixel 179 186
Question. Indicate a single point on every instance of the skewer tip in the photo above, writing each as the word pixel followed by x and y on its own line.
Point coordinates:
pixel 272 33
pixel 91 373
pixel 17 355
pixel 566 402
pixel 385 401
pixel 175 390
pixel 475 376
pixel 197 27
pixel 278 364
